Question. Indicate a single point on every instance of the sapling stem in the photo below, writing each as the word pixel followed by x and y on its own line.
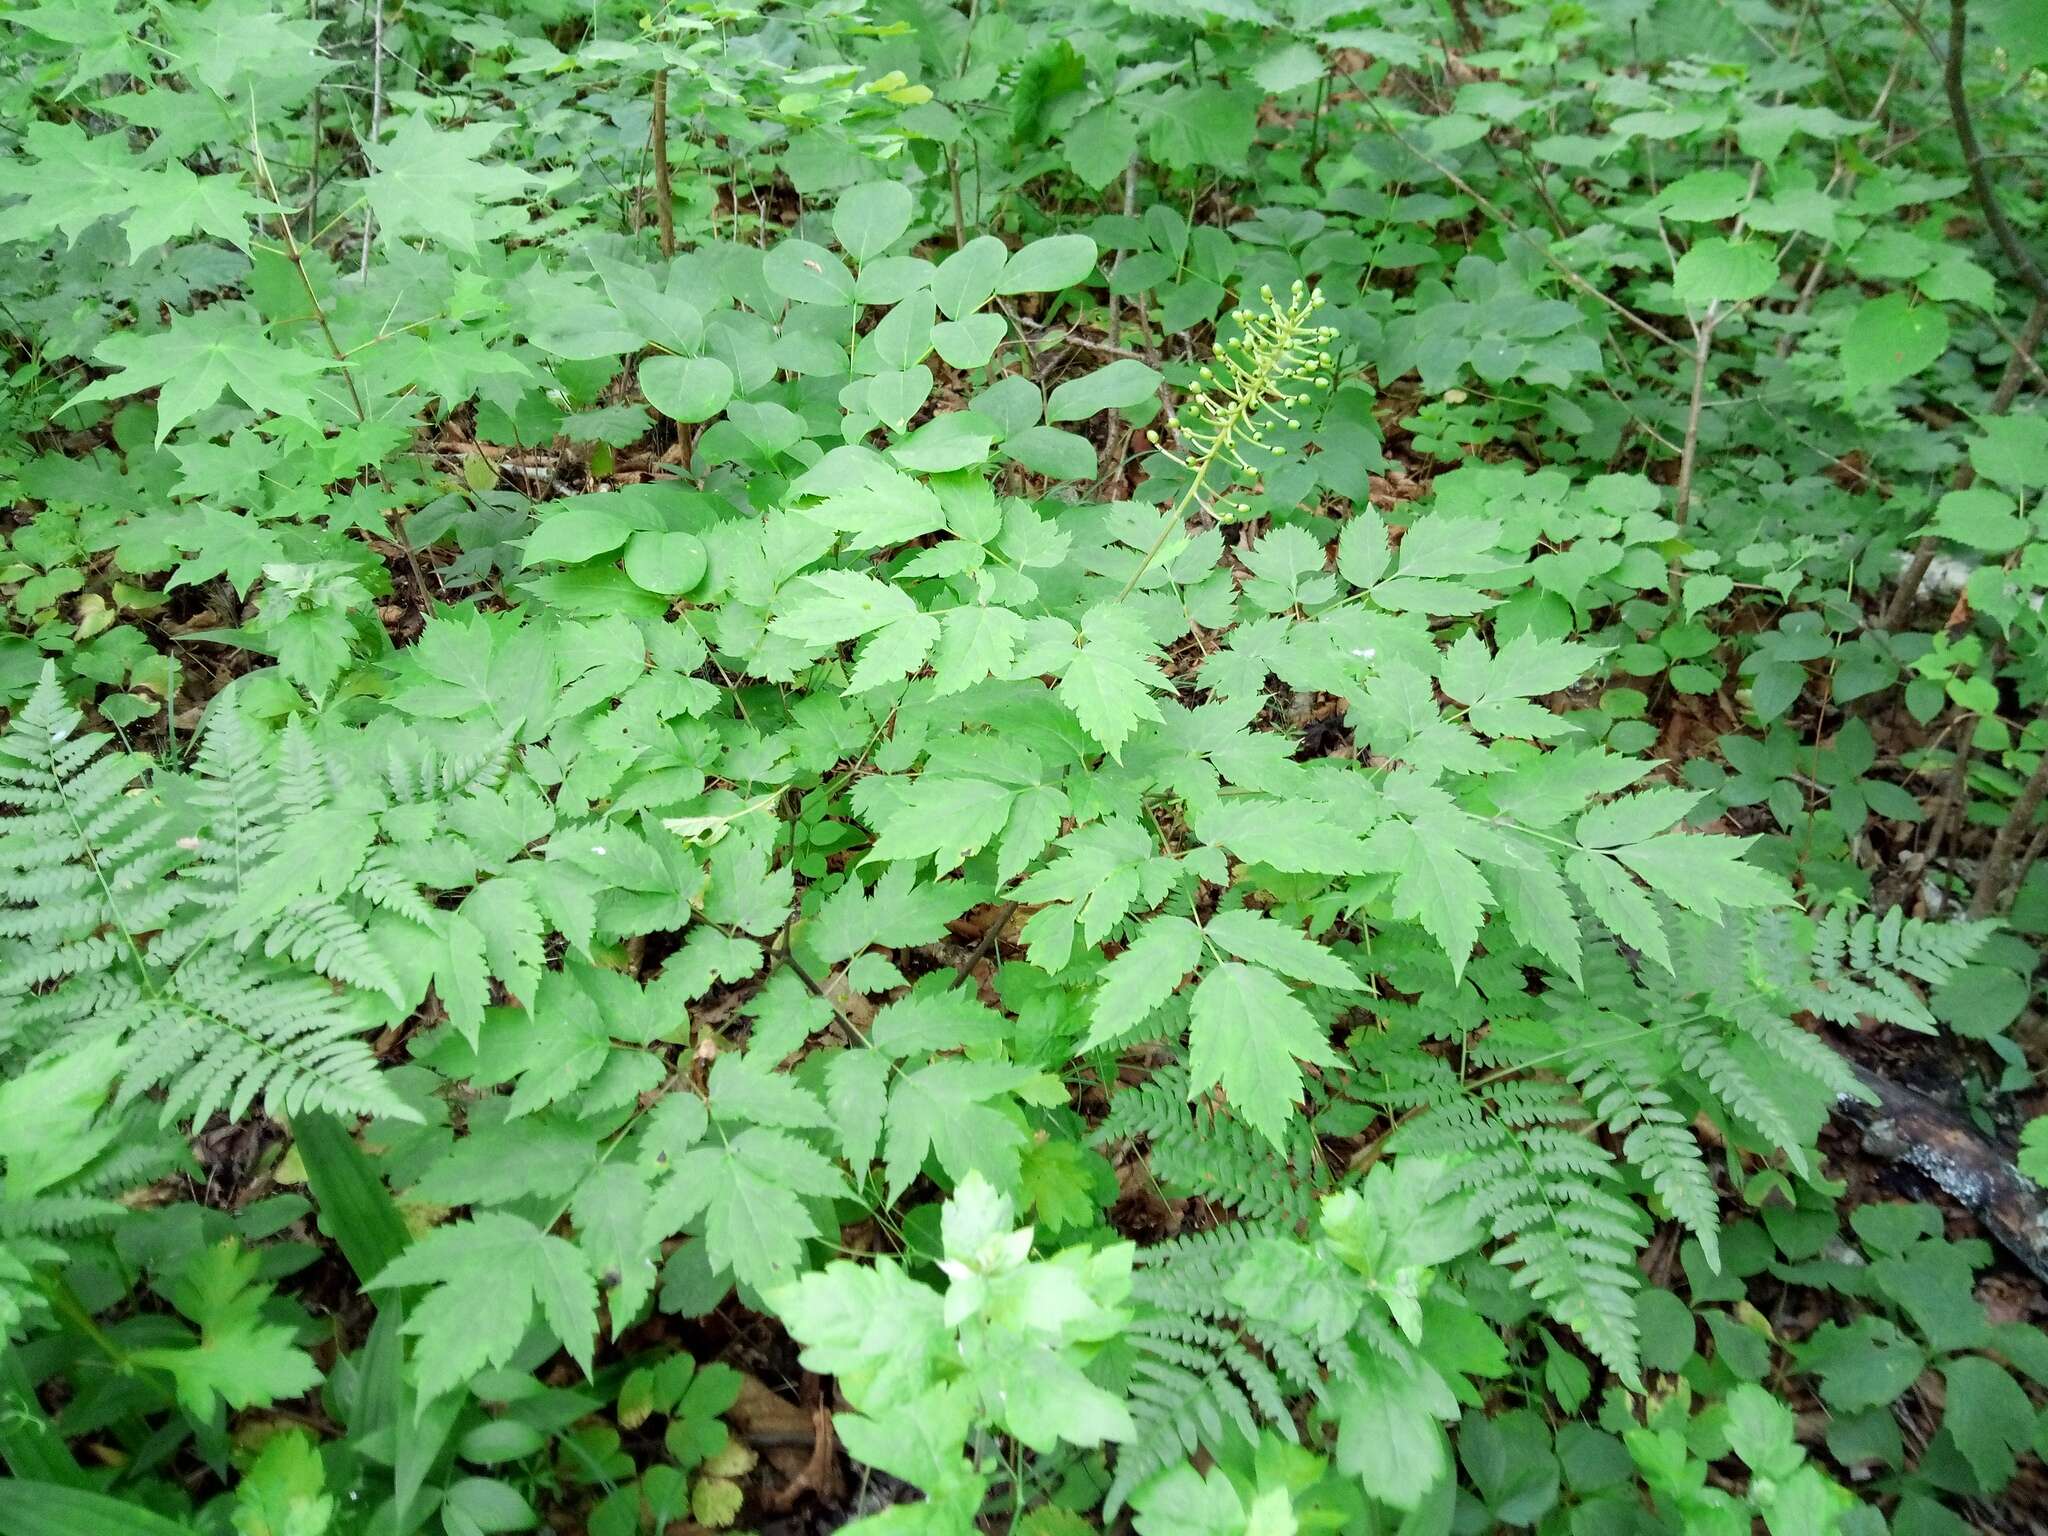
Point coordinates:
pixel 2019 823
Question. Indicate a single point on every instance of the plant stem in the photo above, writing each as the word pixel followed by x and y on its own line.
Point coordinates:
pixel 2019 823
pixel 1973 154
pixel 1688 455
pixel 664 197
pixel 376 116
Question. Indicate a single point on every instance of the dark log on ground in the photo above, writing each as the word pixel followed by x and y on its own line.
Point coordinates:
pixel 1905 1126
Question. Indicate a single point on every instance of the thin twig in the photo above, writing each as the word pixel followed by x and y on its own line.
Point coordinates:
pixel 664 199
pixel 376 116
pixel 2019 823
pixel 984 944
pixel 1973 154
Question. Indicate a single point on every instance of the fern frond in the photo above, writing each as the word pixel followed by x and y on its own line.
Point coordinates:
pixel 99 933
pixel 223 1035
pixel 325 936
pixel 1552 1199
pixel 1859 970
pixel 1194 1149
pixel 1621 1081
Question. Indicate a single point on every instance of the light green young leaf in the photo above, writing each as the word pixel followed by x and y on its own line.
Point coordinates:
pixel 200 356
pixel 1141 978
pixel 430 181
pixel 1256 937
pixel 1247 1029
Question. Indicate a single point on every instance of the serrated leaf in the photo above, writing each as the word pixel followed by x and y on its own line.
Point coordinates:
pixel 949 819
pixel 429 181
pixel 1256 937
pixel 519 1266
pixel 1619 903
pixel 1246 1031
pixel 200 357
pixel 1889 341
pixel 1141 978
pixel 1704 874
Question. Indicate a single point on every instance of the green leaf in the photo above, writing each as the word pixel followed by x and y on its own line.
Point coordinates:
pixel 2012 451
pixel 173 204
pixel 1099 146
pixel 1141 978
pixel 1989 1416
pixel 1045 266
pixel 1434 883
pixel 1055 454
pixel 1108 680
pixel 29 1508
pixel 354 1207
pixel 1632 818
pixel 751 1193
pixel 871 217
pixel 201 356
pixel 1619 903
pixel 1981 518
pixel 1253 936
pixel 1704 874
pixel 519 1267
pixel 1719 271
pixel 798 269
pixel 430 181
pixel 1123 384
pixel 686 389
pixel 970 342
pixel 835 606
pixel 668 563
pixel 1247 1029
pixel 967 279
pixel 952 1110
pixel 1889 341
pixel 952 819
pixel 241 1359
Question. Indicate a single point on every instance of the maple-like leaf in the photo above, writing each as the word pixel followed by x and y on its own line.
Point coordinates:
pixel 195 360
pixel 430 181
